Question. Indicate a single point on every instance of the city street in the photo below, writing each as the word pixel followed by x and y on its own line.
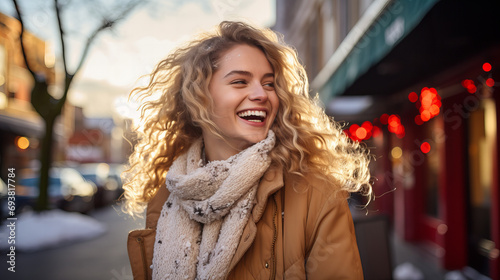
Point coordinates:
pixel 394 101
pixel 104 257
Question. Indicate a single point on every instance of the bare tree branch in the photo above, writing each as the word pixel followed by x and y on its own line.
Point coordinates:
pixel 21 38
pixel 106 24
pixel 57 8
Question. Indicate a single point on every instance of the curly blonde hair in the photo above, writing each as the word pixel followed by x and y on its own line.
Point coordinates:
pixel 175 106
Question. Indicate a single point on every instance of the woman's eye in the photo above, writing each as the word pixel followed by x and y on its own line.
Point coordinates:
pixel 238 82
pixel 269 84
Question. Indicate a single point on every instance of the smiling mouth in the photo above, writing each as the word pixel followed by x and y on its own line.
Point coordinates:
pixel 253 116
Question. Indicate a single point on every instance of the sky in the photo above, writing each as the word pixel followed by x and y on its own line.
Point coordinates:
pixel 119 58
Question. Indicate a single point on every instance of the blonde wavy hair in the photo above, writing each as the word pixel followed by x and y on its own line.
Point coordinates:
pixel 176 105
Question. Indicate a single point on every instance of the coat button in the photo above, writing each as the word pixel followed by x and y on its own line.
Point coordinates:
pixel 267 265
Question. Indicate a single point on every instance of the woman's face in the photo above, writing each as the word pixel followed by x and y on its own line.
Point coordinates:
pixel 245 102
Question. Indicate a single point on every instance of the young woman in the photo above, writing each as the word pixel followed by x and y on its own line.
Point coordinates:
pixel 243 175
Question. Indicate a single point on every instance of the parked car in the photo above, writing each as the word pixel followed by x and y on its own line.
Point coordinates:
pixel 116 170
pixel 68 190
pixel 3 200
pixel 107 186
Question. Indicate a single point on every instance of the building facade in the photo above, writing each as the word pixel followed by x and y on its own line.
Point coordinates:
pixel 20 126
pixel 77 138
pixel 418 82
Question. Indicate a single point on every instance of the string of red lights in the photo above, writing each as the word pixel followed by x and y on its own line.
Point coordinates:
pixel 428 104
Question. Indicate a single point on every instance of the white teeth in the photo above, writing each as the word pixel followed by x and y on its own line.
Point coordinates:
pixel 253 113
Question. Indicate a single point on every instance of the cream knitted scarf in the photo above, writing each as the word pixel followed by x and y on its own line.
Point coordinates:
pixel 203 219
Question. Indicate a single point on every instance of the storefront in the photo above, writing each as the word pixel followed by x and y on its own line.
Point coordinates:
pixel 433 99
pixel 21 133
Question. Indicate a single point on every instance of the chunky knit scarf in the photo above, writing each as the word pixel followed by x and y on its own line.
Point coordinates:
pixel 203 219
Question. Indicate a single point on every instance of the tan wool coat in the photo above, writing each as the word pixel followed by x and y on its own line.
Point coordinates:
pixel 302 232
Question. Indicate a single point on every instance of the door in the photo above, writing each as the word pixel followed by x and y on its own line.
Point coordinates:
pixel 482 131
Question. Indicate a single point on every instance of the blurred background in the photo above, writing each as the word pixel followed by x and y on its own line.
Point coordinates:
pixel 415 81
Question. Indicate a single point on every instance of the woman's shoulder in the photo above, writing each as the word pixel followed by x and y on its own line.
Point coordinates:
pixel 314 183
pixel 312 201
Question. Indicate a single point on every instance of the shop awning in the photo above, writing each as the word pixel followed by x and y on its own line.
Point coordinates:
pixel 381 28
pixel 21 122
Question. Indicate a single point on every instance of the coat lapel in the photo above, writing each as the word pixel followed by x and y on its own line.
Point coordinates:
pixel 270 183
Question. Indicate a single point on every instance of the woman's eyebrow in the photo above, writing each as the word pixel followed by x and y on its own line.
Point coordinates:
pixel 246 73
pixel 268 75
pixel 239 72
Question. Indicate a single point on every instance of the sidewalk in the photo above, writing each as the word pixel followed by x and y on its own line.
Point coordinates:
pixel 104 257
pixel 384 254
pixel 424 262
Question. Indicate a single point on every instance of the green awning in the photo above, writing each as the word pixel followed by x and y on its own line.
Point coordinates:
pixel 396 20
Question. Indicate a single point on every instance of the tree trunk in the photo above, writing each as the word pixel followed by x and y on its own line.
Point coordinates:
pixel 45 162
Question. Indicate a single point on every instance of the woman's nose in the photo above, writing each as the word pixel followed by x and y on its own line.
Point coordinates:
pixel 258 93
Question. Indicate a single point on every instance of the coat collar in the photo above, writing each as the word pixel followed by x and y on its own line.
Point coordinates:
pixel 269 184
pixel 155 206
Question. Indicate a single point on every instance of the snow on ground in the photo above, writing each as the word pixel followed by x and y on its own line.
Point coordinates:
pixel 37 231
pixel 407 271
